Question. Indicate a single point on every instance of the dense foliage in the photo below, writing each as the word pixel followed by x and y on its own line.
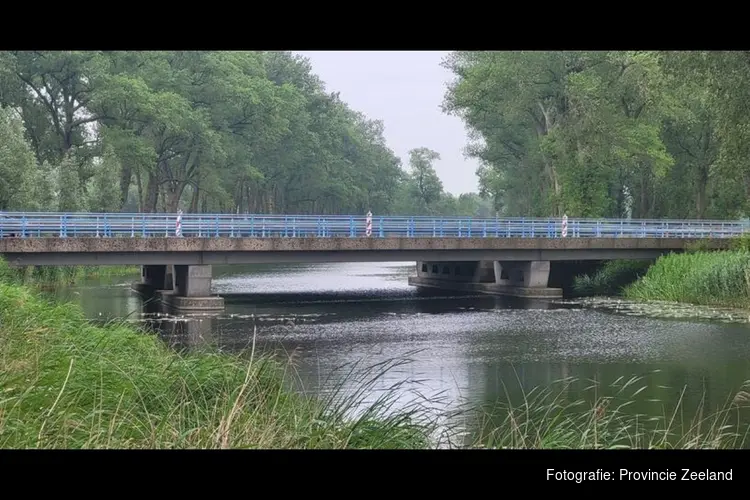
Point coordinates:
pixel 203 131
pixel 608 133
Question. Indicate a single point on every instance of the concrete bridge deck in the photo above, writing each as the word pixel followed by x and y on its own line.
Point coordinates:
pixel 249 250
pixel 506 256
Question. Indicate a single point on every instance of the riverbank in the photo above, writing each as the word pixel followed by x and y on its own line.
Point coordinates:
pixel 66 383
pixel 707 278
pixel 702 278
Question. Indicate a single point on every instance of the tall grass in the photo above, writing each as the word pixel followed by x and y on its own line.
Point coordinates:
pixel 707 278
pixel 603 418
pixel 66 383
pixel 610 279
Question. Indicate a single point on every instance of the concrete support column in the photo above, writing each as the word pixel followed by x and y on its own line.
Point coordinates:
pixel 192 290
pixel 501 274
pixel 193 281
pixel 536 274
pixel 484 271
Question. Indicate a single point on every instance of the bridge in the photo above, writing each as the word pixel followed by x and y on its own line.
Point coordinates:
pixel 507 256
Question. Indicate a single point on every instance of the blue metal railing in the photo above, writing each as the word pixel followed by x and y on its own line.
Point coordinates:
pixel 83 224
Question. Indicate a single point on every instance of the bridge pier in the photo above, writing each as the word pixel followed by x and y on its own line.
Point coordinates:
pixel 181 287
pixel 155 278
pixel 512 278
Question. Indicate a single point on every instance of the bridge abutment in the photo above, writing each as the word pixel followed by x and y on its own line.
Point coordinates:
pixel 511 278
pixel 184 288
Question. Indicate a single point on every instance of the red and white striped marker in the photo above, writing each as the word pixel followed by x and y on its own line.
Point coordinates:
pixel 565 226
pixel 368 229
pixel 178 227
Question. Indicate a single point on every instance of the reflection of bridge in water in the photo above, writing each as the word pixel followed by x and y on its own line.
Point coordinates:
pixel 196 330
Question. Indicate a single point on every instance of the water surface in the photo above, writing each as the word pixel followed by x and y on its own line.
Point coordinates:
pixel 462 348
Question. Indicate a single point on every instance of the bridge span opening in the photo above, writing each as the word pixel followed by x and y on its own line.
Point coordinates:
pixel 187 288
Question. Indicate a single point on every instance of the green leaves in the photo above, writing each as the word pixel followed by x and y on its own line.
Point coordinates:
pixel 199 130
pixel 605 133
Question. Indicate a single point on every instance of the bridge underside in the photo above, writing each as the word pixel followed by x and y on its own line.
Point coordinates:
pixel 511 278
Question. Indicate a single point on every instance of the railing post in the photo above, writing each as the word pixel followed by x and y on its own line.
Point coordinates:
pixel 442 228
pixel 459 228
pixel 497 228
pixel 469 235
pixel 286 228
pixel 294 227
pixel 434 228
pixel 23 226
pixel 352 229
pixel 380 227
pixel 217 226
pixel 484 229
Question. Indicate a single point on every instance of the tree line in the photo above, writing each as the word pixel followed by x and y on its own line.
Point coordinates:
pixel 211 131
pixel 641 134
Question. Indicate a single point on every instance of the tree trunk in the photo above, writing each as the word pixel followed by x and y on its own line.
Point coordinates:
pixel 152 194
pixel 125 178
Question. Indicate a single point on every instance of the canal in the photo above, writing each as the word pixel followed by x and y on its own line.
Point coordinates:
pixel 672 366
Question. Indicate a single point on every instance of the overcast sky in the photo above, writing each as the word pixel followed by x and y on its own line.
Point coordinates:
pixel 405 90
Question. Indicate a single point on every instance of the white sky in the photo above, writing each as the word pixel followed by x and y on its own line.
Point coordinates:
pixel 405 91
